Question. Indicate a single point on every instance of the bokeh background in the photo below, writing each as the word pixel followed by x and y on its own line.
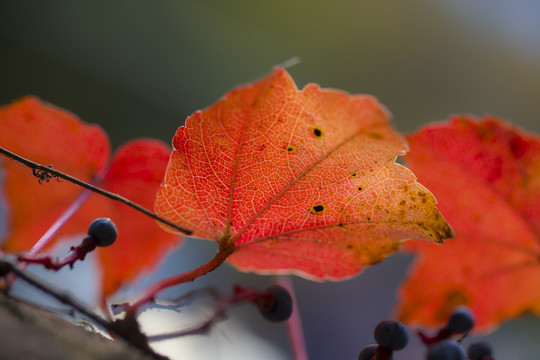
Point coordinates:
pixel 139 68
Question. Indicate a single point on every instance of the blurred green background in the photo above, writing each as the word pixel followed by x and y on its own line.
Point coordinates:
pixel 139 68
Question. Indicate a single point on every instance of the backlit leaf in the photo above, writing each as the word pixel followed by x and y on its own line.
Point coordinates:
pixel 486 175
pixel 297 181
pixel 48 135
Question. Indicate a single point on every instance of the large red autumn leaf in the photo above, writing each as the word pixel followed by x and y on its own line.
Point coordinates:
pixel 486 175
pixel 296 181
pixel 48 135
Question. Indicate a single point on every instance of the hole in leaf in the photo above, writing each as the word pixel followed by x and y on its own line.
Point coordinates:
pixel 318 208
pixel 354 174
pixel 359 188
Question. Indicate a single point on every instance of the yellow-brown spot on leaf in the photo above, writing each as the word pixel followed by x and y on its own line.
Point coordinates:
pixel 402 203
pixel 354 174
pixel 359 188
pixel 316 209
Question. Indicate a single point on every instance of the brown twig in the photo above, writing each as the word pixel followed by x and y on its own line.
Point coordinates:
pixel 8 265
pixel 46 172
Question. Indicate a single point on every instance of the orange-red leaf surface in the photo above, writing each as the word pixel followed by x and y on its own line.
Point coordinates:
pixel 297 181
pixel 486 175
pixel 48 135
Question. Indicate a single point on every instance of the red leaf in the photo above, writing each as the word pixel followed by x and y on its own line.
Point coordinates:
pixel 486 175
pixel 49 135
pixel 297 181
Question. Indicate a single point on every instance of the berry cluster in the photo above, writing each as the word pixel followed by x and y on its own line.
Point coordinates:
pixel 392 336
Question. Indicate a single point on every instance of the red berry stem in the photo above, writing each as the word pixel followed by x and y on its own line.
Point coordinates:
pixel 383 353
pixel 294 323
pixel 240 294
pixel 150 293
pixel 442 334
pixel 76 253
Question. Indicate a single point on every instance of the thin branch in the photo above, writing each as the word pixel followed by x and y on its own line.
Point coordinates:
pixel 114 327
pixel 60 175
pixel 57 294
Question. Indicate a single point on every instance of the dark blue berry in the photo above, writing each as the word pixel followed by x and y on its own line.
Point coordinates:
pixel 461 320
pixel 391 334
pixel 276 305
pixel 446 350
pixel 103 231
pixel 368 352
pixel 478 350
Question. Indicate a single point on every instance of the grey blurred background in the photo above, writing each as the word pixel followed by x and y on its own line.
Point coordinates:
pixel 139 68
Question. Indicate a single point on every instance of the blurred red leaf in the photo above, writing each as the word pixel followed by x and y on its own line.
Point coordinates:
pixel 486 175
pixel 297 181
pixel 48 135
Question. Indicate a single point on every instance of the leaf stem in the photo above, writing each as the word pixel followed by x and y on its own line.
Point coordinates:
pixel 60 175
pixel 150 293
